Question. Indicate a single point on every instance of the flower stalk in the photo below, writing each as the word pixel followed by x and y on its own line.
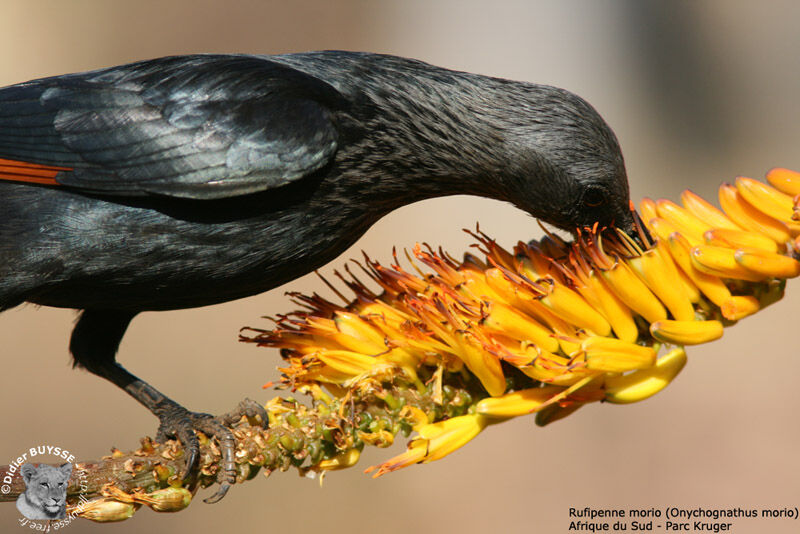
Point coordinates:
pixel 327 435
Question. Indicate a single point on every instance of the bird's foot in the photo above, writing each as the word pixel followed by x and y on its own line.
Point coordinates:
pixel 179 423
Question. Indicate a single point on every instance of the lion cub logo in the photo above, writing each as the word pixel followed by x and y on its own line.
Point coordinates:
pixel 45 496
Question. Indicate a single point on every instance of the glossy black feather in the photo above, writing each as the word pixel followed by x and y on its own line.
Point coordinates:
pixel 194 127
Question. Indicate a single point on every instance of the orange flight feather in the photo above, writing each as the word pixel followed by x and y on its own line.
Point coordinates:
pixel 34 173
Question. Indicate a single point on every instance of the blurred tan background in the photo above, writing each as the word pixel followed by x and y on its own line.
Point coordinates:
pixel 696 92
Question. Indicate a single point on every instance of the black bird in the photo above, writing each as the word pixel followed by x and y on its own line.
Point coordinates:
pixel 193 180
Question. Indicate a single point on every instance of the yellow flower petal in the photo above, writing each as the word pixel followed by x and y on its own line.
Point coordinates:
pixel 663 281
pixel 768 263
pixel 663 229
pixel 443 438
pixel 484 365
pixel 648 210
pixel 565 332
pixel 721 261
pixel 748 217
pixel 644 383
pixel 571 307
pixel 443 444
pixel 633 292
pixel 707 213
pixel 346 361
pixel 504 319
pixel 785 180
pixel 615 311
pixel 616 356
pixel 341 461
pixel 689 287
pixel 725 237
pixel 682 219
pixel 353 325
pixel 739 307
pixel 414 455
pixel 711 286
pixel 517 403
pixel 355 344
pixel 686 332
pixel 766 199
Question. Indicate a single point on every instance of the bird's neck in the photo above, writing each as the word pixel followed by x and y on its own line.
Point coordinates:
pixel 412 131
pixel 420 141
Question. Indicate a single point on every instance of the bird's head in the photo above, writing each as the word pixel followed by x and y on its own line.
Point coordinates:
pixel 439 132
pixel 562 162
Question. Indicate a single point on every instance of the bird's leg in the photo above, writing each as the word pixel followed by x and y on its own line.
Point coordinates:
pixel 94 345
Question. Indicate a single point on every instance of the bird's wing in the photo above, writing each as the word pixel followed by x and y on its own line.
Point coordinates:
pixel 199 127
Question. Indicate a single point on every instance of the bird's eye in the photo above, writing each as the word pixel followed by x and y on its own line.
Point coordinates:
pixel 594 197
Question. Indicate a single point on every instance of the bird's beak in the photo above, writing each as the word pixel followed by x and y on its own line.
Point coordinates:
pixel 631 223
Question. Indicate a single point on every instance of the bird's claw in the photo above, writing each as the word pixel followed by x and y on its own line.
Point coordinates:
pixel 246 408
pixel 179 423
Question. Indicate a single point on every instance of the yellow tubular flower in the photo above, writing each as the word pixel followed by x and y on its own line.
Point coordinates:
pixel 689 287
pixel 571 307
pixel 648 209
pixel 768 263
pixel 556 370
pixel 739 307
pixel 616 356
pixel 686 223
pixel 663 280
pixel 484 365
pixel 750 218
pixel 517 403
pixel 347 362
pixel 359 332
pixel 618 315
pixel 634 293
pixel 549 327
pixel 644 383
pixel 721 262
pixel 766 199
pixel 686 332
pixel 711 286
pixel 340 461
pixel 785 181
pixel 503 319
pixel 565 333
pixel 739 239
pixel 436 441
pixel 706 212
pixel 662 229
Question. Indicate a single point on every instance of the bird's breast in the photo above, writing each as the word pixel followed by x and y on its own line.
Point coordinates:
pixel 83 252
